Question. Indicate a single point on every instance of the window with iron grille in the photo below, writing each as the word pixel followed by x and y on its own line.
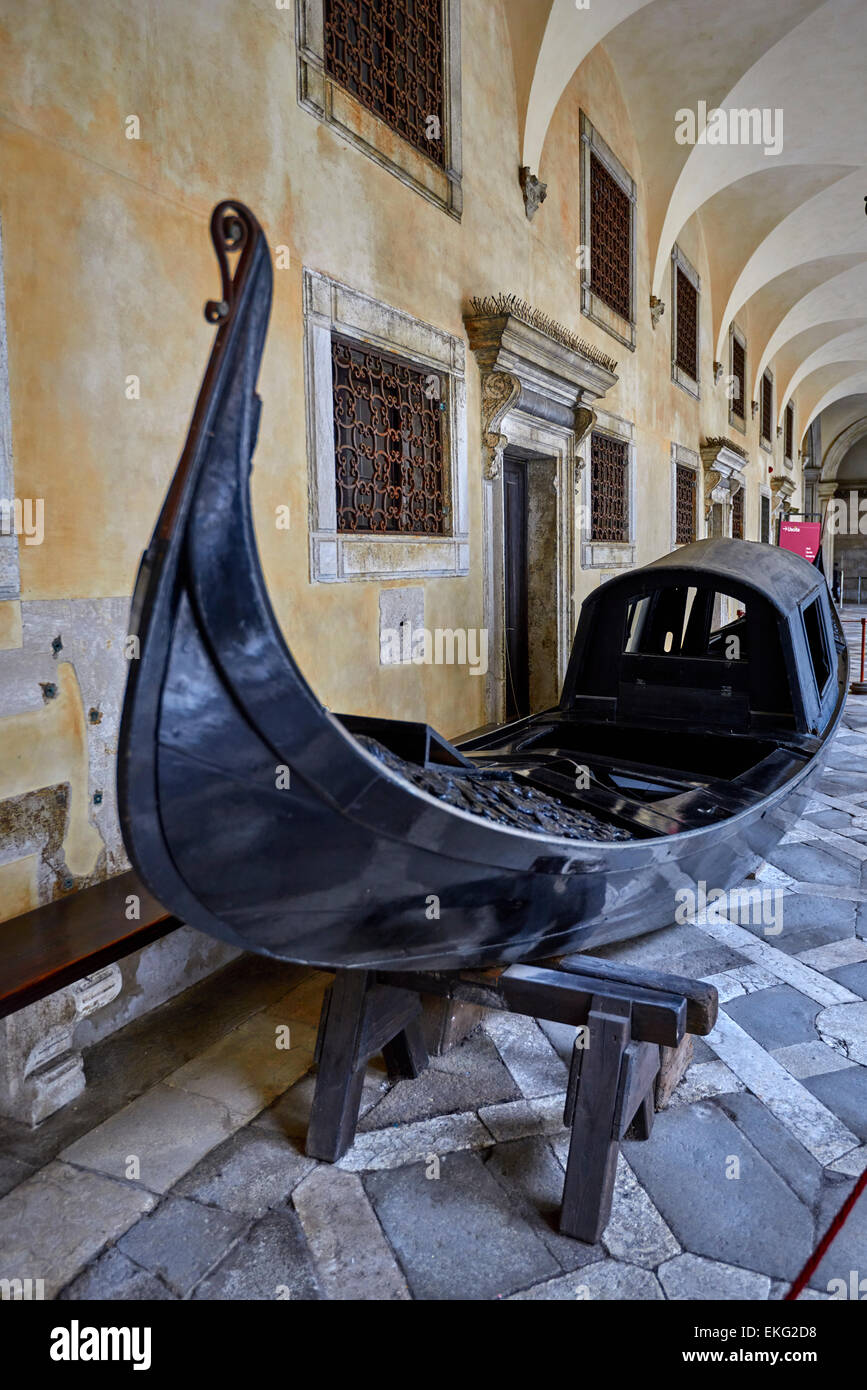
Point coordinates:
pixel 609 488
pixel 686 327
pixel 390 57
pixel 767 407
pixel 739 372
pixel 738 515
pixel 610 240
pixel 388 442
pixel 766 519
pixel 790 431
pixel 685 497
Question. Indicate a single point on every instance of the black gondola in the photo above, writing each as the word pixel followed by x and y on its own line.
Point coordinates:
pixel 701 692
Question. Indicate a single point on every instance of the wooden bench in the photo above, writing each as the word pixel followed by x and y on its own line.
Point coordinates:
pixel 624 1015
pixel 63 941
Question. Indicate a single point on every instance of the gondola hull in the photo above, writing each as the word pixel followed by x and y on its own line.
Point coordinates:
pixel 261 818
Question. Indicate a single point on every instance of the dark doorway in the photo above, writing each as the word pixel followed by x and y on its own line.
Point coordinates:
pixel 515 569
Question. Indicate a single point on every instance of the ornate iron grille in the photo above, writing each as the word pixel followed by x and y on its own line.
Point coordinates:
pixel 609 515
pixel 610 240
pixel 790 430
pixel 739 372
pixel 685 494
pixel 686 331
pixel 388 443
pixel 767 407
pixel 738 515
pixel 389 54
pixel 766 519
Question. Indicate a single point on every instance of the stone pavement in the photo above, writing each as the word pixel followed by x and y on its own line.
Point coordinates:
pixel 181 1172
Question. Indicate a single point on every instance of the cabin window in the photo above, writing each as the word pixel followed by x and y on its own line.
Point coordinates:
pixel 789 433
pixel 386 79
pixel 817 644
pixel 737 385
pixel 686 483
pixel 608 200
pixel 681 621
pixel 765 531
pixel 767 405
pixel 738 515
pixel 388 442
pixel 684 323
pixel 609 488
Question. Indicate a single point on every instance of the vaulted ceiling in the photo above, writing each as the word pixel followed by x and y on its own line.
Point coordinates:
pixel 786 232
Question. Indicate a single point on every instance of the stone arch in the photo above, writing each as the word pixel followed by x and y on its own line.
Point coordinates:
pixel 839 448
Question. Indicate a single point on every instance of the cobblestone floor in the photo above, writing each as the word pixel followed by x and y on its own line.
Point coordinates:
pixel 181 1172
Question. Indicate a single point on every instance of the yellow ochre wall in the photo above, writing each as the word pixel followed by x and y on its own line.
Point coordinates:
pixel 108 263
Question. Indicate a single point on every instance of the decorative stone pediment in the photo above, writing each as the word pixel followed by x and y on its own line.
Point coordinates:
pixel 534 365
pixel 782 489
pixel 723 464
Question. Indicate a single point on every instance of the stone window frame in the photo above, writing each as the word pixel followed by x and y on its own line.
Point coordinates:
pixel 789 412
pixel 735 420
pixel 692 385
pixel 610 554
pixel 10 575
pixel 592 307
pixel 766 492
pixel 685 458
pixel 766 441
pixel 337 108
pixel 336 556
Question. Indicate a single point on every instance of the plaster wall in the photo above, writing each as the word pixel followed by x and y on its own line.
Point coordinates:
pixel 107 266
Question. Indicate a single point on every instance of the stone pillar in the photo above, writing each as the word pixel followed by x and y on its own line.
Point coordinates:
pixel 39 1069
pixel 827 489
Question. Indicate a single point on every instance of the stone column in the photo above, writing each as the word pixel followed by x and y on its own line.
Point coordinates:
pixel 826 490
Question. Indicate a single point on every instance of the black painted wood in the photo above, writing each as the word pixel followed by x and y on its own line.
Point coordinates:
pixel 702 1001
pixel 593 1148
pixel 612 1076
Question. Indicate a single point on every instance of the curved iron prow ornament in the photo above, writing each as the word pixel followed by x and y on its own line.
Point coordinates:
pixel 682 744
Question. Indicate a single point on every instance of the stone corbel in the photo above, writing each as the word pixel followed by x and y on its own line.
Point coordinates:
pixel 535 192
pixel 499 393
pixel 712 480
pixel 39 1069
pixel 723 469
pixel 657 309
pixel 754 407
pixel 717 373
pixel 782 489
pixel 585 419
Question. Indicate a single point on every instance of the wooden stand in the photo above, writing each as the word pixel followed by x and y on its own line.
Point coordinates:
pixel 624 1015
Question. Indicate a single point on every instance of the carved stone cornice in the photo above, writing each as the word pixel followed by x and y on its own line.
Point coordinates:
pixel 499 393
pixel 531 364
pixel 782 489
pixel 556 374
pixel 723 468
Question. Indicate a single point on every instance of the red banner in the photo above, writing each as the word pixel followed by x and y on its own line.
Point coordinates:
pixel 804 537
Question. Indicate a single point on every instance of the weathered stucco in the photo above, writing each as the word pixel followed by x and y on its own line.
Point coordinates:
pixel 107 266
